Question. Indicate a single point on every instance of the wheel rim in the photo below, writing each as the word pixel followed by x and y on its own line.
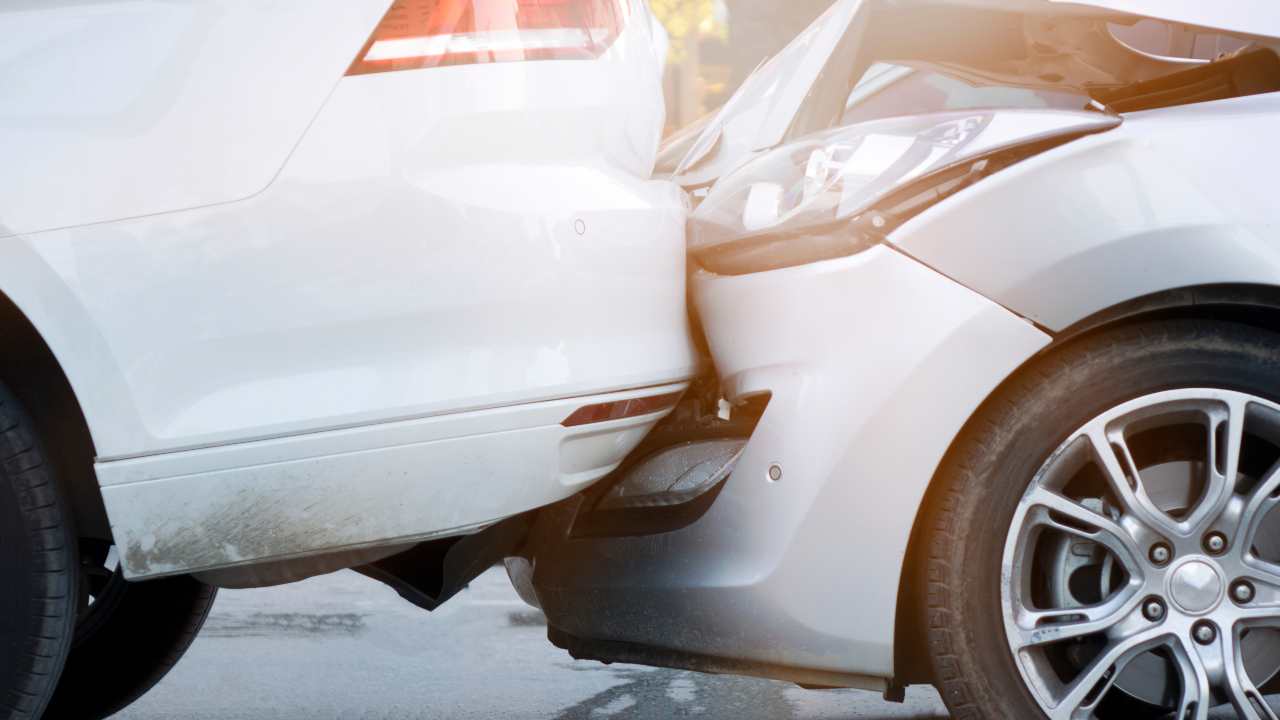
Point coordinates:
pixel 1168 591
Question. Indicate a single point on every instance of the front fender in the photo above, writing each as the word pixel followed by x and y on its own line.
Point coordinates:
pixel 1171 199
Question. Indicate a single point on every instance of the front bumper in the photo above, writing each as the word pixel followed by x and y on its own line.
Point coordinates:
pixel 874 363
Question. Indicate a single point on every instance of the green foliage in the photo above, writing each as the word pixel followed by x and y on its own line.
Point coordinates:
pixel 685 20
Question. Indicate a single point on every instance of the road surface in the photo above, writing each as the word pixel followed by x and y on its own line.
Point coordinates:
pixel 344 647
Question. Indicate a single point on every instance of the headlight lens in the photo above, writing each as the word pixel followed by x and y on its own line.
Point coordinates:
pixel 816 198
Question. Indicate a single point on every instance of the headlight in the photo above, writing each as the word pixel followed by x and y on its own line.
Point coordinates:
pixel 839 192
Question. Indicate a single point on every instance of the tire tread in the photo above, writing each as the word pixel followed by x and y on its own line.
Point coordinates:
pixel 33 484
pixel 966 475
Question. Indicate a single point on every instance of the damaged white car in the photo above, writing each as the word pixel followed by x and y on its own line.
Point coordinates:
pixel 993 292
pixel 293 286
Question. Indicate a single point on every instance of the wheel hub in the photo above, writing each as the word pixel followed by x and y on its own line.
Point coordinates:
pixel 1093 608
pixel 1196 587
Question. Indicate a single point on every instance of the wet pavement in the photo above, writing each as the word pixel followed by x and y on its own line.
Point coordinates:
pixel 345 647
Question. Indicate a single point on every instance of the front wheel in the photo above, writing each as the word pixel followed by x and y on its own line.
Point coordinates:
pixel 1104 541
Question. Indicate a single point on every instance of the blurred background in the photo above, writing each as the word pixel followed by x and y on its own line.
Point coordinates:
pixel 715 44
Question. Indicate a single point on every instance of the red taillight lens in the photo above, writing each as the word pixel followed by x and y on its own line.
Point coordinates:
pixel 427 33
pixel 621 409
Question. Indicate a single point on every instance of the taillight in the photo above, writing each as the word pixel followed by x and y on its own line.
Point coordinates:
pixel 428 33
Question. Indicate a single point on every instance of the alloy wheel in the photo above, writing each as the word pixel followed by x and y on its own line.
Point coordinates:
pixel 1142 566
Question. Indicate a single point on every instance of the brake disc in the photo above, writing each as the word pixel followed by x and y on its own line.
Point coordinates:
pixel 1081 574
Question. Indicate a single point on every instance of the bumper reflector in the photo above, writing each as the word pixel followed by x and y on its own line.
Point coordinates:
pixel 621 409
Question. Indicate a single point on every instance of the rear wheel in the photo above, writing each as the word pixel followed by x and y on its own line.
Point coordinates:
pixel 128 636
pixel 37 569
pixel 1105 543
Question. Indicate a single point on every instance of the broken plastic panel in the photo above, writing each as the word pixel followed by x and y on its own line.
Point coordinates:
pixel 675 475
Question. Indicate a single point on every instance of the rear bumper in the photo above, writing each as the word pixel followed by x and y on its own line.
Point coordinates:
pixel 366 486
pixel 874 363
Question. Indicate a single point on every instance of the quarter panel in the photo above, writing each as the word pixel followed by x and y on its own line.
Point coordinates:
pixel 117 109
pixel 441 241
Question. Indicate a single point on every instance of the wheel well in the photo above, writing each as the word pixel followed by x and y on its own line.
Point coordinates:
pixel 1255 305
pixel 28 367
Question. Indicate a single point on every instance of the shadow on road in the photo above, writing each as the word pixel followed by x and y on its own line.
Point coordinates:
pixel 663 694
pixel 660 694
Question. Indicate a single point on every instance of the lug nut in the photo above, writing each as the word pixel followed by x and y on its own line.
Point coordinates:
pixel 1153 610
pixel 1243 592
pixel 1215 543
pixel 1204 633
pixel 1161 554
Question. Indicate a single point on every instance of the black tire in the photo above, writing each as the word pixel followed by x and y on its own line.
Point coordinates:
pixel 973 502
pixel 127 641
pixel 38 576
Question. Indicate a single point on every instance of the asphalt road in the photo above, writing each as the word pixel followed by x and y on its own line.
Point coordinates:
pixel 343 646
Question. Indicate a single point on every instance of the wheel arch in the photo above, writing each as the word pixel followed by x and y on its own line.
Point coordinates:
pixel 30 369
pixel 1244 303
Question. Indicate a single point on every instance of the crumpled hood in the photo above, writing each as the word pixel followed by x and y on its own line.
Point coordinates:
pixel 1258 18
pixel 1051 44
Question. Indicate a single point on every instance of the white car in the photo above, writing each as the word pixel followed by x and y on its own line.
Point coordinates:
pixel 993 293
pixel 293 286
